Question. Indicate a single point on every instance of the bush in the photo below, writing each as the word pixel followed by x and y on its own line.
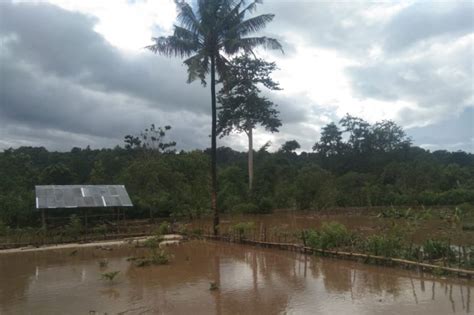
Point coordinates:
pixel 243 228
pixel 436 249
pixel 456 196
pixel 100 229
pixel 265 205
pixel 331 235
pixel 163 228
pixel 245 208
pixel 74 228
pixel 384 245
pixel 3 229
pixel 152 242
pixel 315 189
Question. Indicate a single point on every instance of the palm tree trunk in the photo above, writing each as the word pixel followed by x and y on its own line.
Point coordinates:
pixel 214 149
pixel 250 157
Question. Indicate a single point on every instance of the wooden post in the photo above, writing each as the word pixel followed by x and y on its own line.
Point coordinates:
pixel 117 219
pixel 43 219
pixel 123 220
pixel 85 220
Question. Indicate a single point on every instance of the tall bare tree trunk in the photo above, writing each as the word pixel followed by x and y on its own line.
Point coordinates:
pixel 250 157
pixel 214 149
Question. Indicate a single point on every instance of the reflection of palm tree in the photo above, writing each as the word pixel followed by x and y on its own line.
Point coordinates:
pixel 337 278
pixel 217 29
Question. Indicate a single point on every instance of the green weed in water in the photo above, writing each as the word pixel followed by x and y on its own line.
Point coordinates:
pixel 213 286
pixel 331 235
pixel 243 228
pixel 109 276
pixel 103 263
pixel 436 249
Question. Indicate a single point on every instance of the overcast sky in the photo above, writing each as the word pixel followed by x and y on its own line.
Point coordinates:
pixel 74 73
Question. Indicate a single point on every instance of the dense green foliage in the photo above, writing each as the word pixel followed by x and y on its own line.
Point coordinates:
pixel 162 182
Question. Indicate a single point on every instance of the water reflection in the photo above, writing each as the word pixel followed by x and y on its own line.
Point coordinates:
pixel 250 281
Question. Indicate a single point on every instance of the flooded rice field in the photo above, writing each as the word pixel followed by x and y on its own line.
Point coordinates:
pixel 279 225
pixel 247 280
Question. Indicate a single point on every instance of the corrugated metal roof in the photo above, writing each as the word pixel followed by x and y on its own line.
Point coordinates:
pixel 81 196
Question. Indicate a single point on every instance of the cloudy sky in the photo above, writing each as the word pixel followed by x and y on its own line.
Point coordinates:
pixel 74 73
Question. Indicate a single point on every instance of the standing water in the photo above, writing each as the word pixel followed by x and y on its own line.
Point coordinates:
pixel 247 280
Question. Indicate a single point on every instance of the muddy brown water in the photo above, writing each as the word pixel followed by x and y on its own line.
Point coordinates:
pixel 250 280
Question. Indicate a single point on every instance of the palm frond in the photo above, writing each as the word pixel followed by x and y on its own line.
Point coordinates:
pixel 187 18
pixel 249 43
pixel 185 34
pixel 172 46
pixel 254 24
pixel 249 9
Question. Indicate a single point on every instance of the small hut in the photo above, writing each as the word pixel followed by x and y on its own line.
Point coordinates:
pixel 81 196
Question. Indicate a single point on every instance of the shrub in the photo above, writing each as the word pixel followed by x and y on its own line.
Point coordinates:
pixel 163 228
pixel 245 208
pixel 3 229
pixel 456 196
pixel 466 208
pixel 315 189
pixel 384 245
pixel 265 205
pixel 331 235
pixel 74 228
pixel 152 242
pixel 100 229
pixel 243 228
pixel 436 249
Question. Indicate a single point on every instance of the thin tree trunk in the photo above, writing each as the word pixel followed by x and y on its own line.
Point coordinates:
pixel 250 157
pixel 214 149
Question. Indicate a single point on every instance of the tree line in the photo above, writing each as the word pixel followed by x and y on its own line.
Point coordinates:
pixel 354 164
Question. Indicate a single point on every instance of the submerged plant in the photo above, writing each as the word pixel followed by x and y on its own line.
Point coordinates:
pixel 109 276
pixel 213 286
pixel 103 263
pixel 156 258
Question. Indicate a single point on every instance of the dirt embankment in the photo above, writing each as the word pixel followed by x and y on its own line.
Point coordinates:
pixel 102 244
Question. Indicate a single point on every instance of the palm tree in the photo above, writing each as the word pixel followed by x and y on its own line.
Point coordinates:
pixel 217 29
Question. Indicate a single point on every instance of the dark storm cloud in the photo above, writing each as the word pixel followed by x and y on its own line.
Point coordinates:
pixel 63 43
pixel 426 20
pixel 62 85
